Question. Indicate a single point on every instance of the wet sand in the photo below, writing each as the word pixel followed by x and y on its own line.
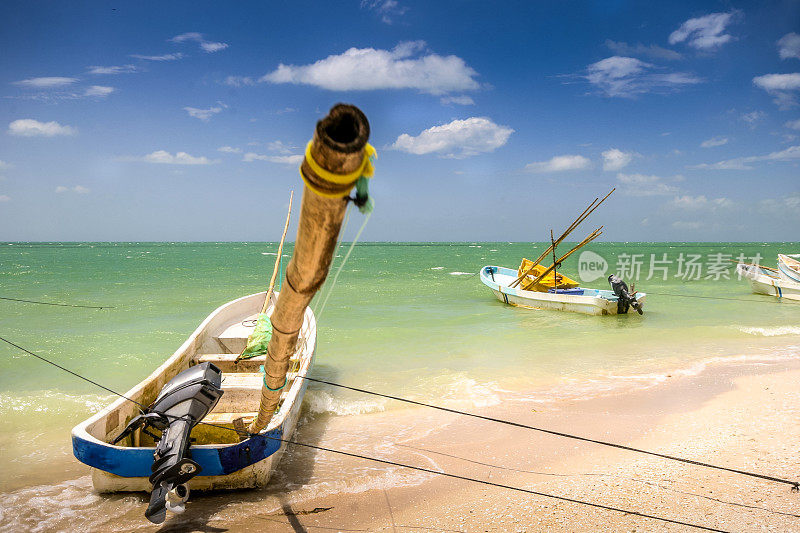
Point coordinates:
pixel 741 416
pixel 736 416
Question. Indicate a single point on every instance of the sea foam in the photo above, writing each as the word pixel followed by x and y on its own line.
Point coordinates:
pixel 773 331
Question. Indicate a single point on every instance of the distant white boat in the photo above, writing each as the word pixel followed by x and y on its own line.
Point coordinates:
pixel 764 282
pixel 788 268
pixel 578 300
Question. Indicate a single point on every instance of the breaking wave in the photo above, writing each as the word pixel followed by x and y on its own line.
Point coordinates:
pixel 770 331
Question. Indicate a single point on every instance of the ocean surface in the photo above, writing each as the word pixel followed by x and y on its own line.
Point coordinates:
pixel 409 319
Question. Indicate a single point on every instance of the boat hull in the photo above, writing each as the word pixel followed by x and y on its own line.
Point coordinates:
pixel 762 282
pixel 592 302
pixel 230 465
pixel 788 268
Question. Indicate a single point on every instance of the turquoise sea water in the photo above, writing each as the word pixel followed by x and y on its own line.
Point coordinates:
pixel 405 318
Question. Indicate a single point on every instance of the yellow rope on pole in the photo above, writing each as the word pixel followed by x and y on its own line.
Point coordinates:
pixel 366 170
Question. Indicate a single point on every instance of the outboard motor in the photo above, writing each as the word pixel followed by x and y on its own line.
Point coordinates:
pixel 181 404
pixel 624 299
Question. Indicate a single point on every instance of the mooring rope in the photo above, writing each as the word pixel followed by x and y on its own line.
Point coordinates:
pixel 96 384
pixel 60 305
pixel 384 461
pixel 795 484
pixel 341 266
pixel 759 300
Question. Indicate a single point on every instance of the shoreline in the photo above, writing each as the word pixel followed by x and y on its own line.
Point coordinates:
pixel 655 418
pixel 659 419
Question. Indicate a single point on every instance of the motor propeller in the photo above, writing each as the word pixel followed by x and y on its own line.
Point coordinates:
pixel 179 407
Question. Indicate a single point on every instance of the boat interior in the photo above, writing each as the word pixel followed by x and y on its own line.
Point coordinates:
pixel 219 340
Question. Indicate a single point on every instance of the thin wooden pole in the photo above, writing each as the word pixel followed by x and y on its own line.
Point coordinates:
pixel 555 270
pixel 276 270
pixel 586 212
pixel 596 233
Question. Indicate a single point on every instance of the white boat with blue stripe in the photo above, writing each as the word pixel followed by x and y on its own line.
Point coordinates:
pixel 577 300
pixel 226 460
pixel 789 268
pixel 766 280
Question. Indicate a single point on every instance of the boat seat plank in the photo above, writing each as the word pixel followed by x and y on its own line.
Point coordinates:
pixel 225 362
pixel 234 337
pixel 242 391
pixel 228 418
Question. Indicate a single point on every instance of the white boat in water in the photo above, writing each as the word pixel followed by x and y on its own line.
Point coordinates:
pixel 578 300
pixel 218 412
pixel 789 268
pixel 225 460
pixel 765 282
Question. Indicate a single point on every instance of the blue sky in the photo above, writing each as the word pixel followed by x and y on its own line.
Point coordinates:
pixel 186 121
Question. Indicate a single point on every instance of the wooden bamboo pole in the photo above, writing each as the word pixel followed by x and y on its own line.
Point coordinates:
pixel 592 236
pixel 337 147
pixel 276 269
pixel 586 212
pixel 555 271
pixel 275 272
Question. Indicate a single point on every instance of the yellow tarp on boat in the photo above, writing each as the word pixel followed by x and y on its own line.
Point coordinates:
pixel 544 284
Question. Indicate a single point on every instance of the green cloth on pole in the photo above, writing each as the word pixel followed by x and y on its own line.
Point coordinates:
pixel 259 339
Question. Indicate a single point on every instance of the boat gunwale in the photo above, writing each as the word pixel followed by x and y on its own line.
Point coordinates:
pixel 81 431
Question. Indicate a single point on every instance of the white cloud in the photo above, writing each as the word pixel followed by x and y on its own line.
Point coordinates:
pixel 627 76
pixel 686 225
pixel 121 69
pixel 280 147
pixel 4 165
pixel 165 57
pixel 363 69
pixel 249 157
pixel 789 46
pixel 459 100
pixel 46 82
pixel 783 206
pixel 386 9
pixel 239 81
pixel 206 46
pixel 653 51
pixel 79 189
pixel 98 91
pixel 644 185
pixel 229 150
pixel 781 86
pixel 704 33
pixel 5 198
pixel 692 203
pixel 166 158
pixel 210 47
pixel 457 139
pixel 793 124
pixel 753 117
pixel 742 163
pixel 615 159
pixel 205 114
pixel 28 127
pixel 560 163
pixel 714 141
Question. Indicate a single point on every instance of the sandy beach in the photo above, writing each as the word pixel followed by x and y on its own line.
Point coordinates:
pixel 734 415
pixel 737 416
